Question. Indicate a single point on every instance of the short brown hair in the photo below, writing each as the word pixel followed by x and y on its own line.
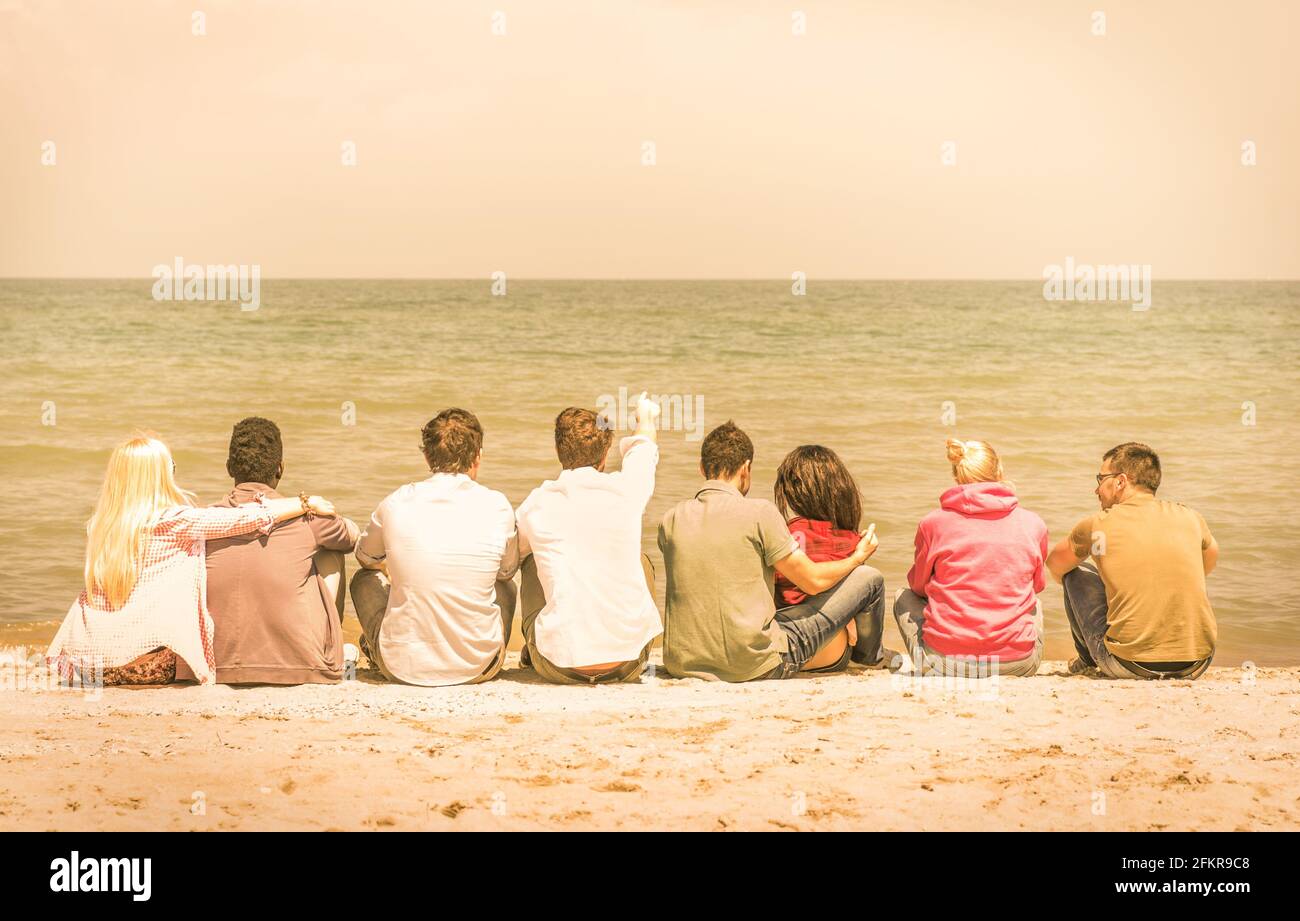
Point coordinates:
pixel 1136 461
pixel 725 450
pixel 582 438
pixel 452 441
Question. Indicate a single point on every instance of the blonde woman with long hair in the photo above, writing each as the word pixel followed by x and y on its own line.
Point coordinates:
pixel 971 606
pixel 144 601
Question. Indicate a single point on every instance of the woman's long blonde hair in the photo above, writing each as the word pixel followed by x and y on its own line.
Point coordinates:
pixel 139 484
pixel 974 462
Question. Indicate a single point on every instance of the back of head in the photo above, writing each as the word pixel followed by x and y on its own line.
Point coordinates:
pixel 974 462
pixel 452 441
pixel 1138 462
pixel 724 451
pixel 812 482
pixel 582 438
pixel 139 484
pixel 256 451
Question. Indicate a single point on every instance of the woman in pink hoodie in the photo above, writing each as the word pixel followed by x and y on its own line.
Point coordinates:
pixel 971 607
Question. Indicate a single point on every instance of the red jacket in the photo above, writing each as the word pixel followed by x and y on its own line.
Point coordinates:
pixel 821 543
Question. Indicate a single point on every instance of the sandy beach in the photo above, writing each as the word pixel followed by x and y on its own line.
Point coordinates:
pixel 861 751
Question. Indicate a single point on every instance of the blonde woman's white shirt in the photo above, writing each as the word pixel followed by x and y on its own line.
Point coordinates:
pixel 446 541
pixel 584 532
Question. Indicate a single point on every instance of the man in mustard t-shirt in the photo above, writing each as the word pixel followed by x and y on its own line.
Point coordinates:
pixel 1142 611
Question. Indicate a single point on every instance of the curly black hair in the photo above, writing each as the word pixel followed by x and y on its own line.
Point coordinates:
pixel 255 451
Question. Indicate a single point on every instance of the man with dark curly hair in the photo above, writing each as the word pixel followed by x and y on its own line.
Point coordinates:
pixel 276 599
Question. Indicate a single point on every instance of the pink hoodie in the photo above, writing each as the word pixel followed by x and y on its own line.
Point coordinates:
pixel 979 562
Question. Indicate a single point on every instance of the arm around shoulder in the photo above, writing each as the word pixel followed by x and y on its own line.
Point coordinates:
pixel 815 578
pixel 337 533
pixel 216 522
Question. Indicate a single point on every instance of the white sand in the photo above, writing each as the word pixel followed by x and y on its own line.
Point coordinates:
pixel 864 750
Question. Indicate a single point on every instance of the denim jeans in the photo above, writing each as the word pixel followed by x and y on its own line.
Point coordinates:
pixel 1085 606
pixel 909 614
pixel 811 624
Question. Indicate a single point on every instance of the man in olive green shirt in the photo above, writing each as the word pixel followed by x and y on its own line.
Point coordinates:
pixel 722 550
pixel 1143 611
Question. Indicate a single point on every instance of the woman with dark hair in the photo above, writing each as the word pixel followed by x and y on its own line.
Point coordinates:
pixel 823 509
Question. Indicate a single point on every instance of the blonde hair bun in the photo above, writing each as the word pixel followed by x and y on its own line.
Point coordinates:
pixel 974 461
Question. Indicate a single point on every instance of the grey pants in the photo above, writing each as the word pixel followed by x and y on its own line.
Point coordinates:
pixel 811 624
pixel 909 614
pixel 370 589
pixel 1085 606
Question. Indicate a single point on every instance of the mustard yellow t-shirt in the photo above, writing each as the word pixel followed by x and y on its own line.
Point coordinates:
pixel 1148 552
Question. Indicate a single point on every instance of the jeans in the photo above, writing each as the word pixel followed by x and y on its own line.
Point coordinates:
pixel 1085 606
pixel 811 624
pixel 909 614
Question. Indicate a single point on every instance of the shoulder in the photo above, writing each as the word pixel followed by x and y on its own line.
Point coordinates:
pixel 760 506
pixel 935 521
pixel 531 500
pixel 493 499
pixel 536 493
pixel 799 524
pixel 764 512
pixel 404 493
pixel 1032 520
pixel 933 517
pixel 1089 523
pixel 395 499
pixel 175 513
pixel 677 511
pixel 1182 510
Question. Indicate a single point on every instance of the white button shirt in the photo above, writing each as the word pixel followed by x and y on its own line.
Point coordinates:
pixel 446 541
pixel 584 531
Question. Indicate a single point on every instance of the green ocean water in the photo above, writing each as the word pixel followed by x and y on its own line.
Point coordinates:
pixel 351 370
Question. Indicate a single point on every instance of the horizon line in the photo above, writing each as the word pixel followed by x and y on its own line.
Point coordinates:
pixel 510 278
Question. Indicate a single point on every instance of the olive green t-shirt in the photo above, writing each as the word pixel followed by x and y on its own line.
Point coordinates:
pixel 1148 552
pixel 720 550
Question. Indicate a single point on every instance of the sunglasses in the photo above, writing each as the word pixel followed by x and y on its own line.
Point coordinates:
pixel 1102 476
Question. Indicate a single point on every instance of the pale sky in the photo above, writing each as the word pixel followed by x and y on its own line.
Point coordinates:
pixel 775 152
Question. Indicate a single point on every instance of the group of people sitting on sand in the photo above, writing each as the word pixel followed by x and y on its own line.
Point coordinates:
pixel 250 590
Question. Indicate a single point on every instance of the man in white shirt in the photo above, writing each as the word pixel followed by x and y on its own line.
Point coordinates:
pixel 435 596
pixel 594 618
